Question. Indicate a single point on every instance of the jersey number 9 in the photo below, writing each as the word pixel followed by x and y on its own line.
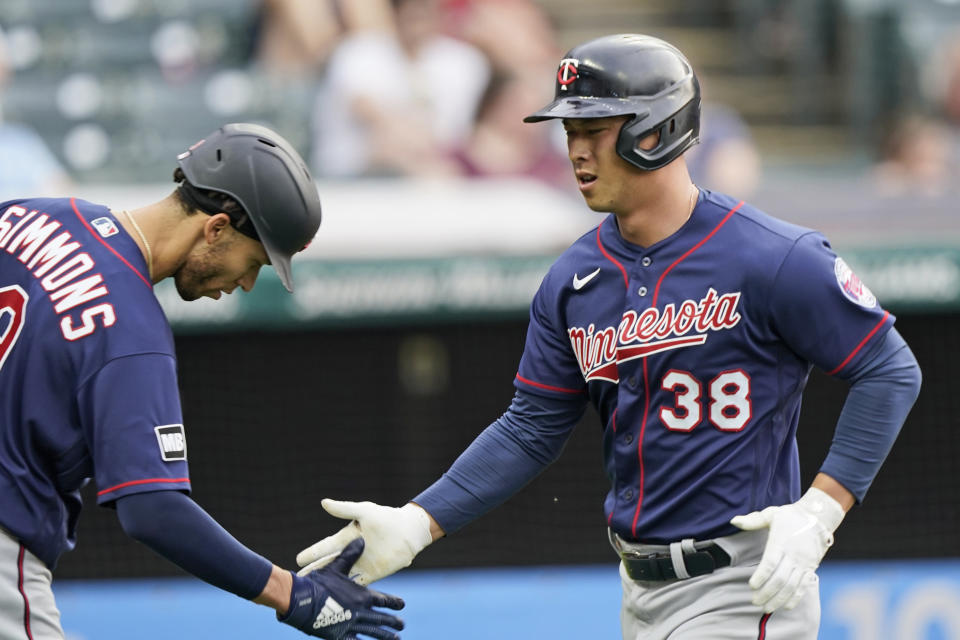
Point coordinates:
pixel 13 303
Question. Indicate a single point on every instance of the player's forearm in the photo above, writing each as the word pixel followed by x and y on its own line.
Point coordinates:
pixel 877 405
pixel 276 593
pixel 174 526
pixel 835 490
pixel 436 531
pixel 502 460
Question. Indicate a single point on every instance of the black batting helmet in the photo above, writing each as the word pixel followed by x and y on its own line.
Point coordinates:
pixel 630 74
pixel 267 177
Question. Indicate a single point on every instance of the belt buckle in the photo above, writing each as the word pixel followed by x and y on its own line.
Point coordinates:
pixel 646 565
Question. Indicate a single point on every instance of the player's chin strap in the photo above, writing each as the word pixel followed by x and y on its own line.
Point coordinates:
pixel 197 199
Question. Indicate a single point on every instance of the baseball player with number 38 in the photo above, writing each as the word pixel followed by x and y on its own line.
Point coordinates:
pixel 690 320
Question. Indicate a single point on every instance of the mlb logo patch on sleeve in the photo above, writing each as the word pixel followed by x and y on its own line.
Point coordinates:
pixel 173 442
pixel 105 227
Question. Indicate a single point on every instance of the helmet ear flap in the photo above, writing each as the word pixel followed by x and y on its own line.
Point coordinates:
pixel 677 134
pixel 632 132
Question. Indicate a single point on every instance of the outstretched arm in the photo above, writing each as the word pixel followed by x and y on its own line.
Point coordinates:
pixel 175 526
pixel 499 462
pixel 503 459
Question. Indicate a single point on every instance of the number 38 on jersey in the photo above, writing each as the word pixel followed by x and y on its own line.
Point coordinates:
pixel 727 403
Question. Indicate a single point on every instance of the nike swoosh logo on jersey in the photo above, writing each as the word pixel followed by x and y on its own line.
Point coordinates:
pixel 578 282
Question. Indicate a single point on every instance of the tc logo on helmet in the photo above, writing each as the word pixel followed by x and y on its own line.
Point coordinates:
pixel 567 72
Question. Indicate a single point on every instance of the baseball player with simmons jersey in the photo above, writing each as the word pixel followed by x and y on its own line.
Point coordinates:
pixel 88 382
pixel 690 320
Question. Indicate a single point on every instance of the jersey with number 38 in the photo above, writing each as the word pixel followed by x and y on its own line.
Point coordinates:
pixel 88 382
pixel 695 352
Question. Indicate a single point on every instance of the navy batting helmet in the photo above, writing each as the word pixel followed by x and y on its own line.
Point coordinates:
pixel 269 180
pixel 636 75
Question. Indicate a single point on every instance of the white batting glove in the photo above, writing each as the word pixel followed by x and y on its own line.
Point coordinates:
pixel 393 537
pixel 800 534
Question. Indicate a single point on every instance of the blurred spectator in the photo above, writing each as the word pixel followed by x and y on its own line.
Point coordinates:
pixel 395 96
pixel 950 97
pixel 294 38
pixel 943 87
pixel 501 144
pixel 26 163
pixel 919 153
pixel 938 66
pixel 727 159
pixel 915 159
pixel 515 35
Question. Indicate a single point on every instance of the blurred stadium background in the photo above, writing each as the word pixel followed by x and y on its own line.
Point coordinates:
pixel 408 321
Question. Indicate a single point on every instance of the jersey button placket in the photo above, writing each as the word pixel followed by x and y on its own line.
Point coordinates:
pixel 646 261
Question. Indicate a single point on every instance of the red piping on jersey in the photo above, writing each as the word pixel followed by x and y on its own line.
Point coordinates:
pixel 104 243
pixel 646 380
pixel 643 428
pixel 860 346
pixel 626 281
pixel 614 421
pixel 146 481
pixel 763 626
pixel 547 386
pixel 692 249
pixel 26 601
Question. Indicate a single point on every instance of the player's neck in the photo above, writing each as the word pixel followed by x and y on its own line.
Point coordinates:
pixel 169 232
pixel 657 217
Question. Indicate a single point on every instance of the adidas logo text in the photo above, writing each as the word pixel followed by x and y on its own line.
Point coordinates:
pixel 332 613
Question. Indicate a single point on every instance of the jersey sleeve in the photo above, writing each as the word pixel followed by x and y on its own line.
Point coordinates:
pixel 822 310
pixel 548 365
pixel 131 416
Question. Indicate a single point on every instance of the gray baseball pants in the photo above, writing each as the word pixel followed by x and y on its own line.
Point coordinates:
pixel 715 606
pixel 27 607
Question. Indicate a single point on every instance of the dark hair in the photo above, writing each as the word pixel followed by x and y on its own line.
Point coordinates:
pixel 190 205
pixel 211 202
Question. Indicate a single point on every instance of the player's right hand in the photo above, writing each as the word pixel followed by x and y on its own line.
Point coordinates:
pixel 326 604
pixel 393 536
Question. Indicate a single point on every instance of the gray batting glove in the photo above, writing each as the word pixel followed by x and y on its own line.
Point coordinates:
pixel 800 534
pixel 393 537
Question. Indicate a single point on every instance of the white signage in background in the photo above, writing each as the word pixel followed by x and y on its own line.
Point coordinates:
pixel 890 601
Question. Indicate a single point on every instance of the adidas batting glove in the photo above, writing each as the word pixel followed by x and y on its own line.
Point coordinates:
pixel 327 604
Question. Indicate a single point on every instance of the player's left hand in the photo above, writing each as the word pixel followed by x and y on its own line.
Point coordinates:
pixel 800 534
pixel 327 604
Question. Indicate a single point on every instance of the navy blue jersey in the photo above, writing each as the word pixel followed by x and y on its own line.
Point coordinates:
pixel 695 352
pixel 88 383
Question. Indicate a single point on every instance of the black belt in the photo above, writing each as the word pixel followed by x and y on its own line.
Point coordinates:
pixel 659 566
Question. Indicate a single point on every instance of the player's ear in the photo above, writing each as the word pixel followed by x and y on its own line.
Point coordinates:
pixel 649 141
pixel 215 227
